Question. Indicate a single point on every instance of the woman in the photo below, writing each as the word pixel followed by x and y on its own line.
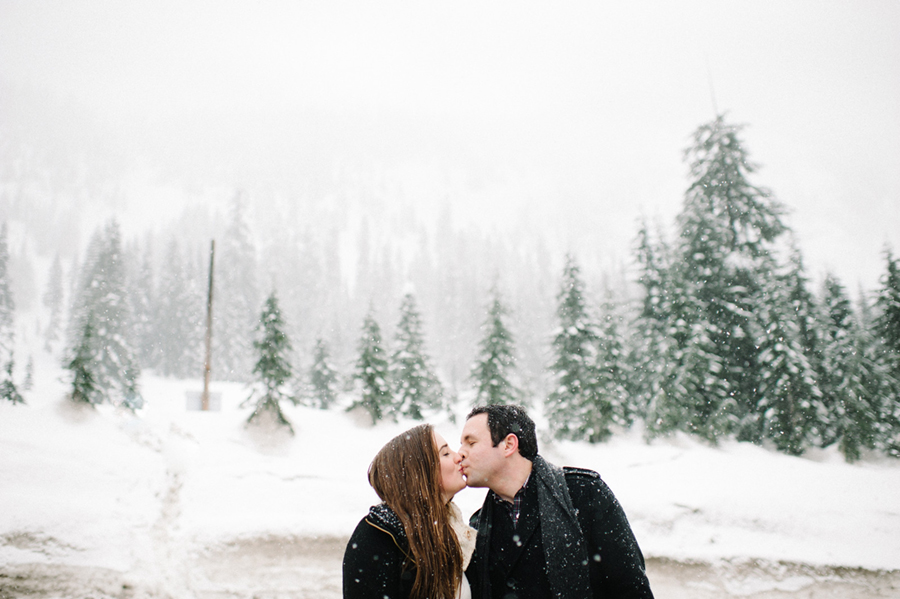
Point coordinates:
pixel 415 544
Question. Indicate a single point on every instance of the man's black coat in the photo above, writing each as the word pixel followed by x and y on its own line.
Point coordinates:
pixel 509 561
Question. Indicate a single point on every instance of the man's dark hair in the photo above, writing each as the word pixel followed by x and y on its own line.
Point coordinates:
pixel 508 419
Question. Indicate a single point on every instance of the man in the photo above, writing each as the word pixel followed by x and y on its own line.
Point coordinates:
pixel 543 531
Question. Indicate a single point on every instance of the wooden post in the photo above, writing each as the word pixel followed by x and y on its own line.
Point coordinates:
pixel 204 399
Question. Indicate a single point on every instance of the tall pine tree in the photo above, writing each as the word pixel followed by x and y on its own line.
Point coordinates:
pixel 8 389
pixel 495 364
pixel 83 366
pixel 613 368
pixel 372 374
pixel 145 308
pixel 848 388
pixel 577 408
pixel 887 330
pixel 728 231
pixel 236 298
pixel 101 299
pixel 417 388
pixel 652 348
pixel 273 367
pixel 179 318
pixel 791 407
pixel 323 377
pixel 53 301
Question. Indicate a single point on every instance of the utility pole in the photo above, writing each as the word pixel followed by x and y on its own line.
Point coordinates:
pixel 204 399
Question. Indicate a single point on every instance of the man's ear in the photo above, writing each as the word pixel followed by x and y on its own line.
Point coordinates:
pixel 510 445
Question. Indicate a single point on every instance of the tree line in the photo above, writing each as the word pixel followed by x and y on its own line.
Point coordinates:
pixel 724 339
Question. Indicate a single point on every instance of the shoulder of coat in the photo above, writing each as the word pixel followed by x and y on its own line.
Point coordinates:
pixel 571 472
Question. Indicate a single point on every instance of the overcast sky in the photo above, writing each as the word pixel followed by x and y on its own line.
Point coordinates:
pixel 578 107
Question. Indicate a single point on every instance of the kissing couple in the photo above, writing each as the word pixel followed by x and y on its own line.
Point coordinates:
pixel 542 532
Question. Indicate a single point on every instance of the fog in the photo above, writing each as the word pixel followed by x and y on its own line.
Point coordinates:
pixel 566 119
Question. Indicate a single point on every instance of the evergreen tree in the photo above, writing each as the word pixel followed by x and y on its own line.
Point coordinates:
pixel 28 383
pixel 496 362
pixel 849 389
pixel 793 415
pixel 416 386
pixel 8 390
pixel 145 308
pixel 273 368
pixel 372 374
pixel 577 407
pixel 888 320
pixel 613 369
pixel 728 231
pixel 53 301
pixel 886 328
pixel 179 320
pixel 102 296
pixel 322 376
pixel 236 299
pixel 652 348
pixel 83 366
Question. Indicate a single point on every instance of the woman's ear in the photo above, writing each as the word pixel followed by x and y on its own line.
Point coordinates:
pixel 510 445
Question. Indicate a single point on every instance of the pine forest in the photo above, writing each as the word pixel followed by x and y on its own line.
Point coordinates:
pixel 710 324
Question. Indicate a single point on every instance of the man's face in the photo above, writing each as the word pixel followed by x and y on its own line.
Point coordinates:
pixel 480 459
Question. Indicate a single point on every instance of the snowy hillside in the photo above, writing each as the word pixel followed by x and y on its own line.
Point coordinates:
pixel 143 493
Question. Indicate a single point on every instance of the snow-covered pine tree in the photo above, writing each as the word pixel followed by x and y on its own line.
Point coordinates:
pixel 179 317
pixel 53 301
pixel 273 367
pixel 8 389
pixel 494 369
pixel 701 396
pixel 849 391
pixel 728 229
pixel 791 407
pixel 613 369
pixel 652 349
pixel 102 297
pixel 236 299
pixel 888 320
pixel 83 366
pixel 323 377
pixel 372 374
pixel 28 383
pixel 886 328
pixel 417 388
pixel 576 408
pixel 144 306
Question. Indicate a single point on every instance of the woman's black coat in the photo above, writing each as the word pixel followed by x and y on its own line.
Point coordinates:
pixel 377 561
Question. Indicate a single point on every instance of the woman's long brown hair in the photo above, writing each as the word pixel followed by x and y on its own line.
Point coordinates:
pixel 407 477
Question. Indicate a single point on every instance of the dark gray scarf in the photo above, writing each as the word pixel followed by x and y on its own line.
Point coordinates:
pixel 565 550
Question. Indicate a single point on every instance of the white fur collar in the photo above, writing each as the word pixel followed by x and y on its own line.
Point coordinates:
pixel 464 533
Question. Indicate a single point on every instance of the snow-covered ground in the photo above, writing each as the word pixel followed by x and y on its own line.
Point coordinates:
pixel 178 501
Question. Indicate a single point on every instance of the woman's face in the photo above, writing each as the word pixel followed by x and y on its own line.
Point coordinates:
pixel 452 480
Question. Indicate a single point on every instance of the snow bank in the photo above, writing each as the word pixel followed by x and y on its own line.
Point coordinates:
pixel 110 489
